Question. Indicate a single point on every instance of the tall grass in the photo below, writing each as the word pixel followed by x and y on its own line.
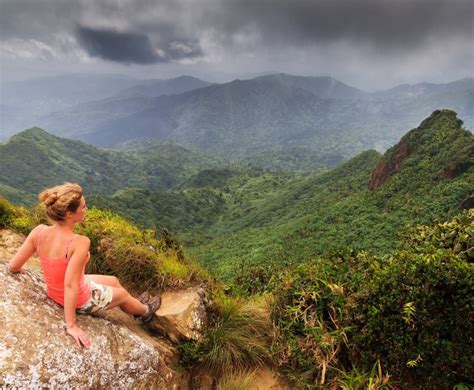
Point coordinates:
pixel 139 259
pixel 239 380
pixel 237 340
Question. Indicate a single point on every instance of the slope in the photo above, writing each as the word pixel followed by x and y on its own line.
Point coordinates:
pixel 230 219
pixel 34 159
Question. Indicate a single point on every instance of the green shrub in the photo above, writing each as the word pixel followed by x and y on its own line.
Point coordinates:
pixel 19 218
pixel 6 213
pixel 415 314
pixel 310 314
pixel 356 379
pixel 410 310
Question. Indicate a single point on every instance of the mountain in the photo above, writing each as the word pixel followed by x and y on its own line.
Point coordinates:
pixel 276 121
pixel 77 119
pixel 274 114
pixel 237 218
pixel 240 118
pixel 325 87
pixel 34 159
pixel 57 102
pixel 154 88
pixel 23 102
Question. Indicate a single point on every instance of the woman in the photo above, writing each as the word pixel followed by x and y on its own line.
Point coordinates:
pixel 64 256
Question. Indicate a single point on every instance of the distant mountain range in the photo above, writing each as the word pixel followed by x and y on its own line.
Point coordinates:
pixel 270 115
pixel 274 121
pixel 26 103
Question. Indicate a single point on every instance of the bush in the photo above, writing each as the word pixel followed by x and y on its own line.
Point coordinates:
pixel 410 310
pixel 21 219
pixel 416 313
pixel 6 213
pixel 135 256
pixel 311 316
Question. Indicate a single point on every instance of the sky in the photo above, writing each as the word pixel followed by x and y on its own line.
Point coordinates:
pixel 369 44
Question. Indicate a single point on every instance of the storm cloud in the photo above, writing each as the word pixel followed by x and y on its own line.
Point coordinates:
pixel 371 40
pixel 129 47
pixel 117 46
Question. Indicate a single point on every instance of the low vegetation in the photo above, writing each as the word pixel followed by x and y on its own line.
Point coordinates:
pixel 336 284
pixel 352 319
pixel 409 312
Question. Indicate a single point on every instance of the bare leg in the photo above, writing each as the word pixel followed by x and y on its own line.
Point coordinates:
pixel 127 303
pixel 120 297
pixel 106 280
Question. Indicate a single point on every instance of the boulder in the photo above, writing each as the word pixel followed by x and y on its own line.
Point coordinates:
pixel 36 352
pixel 182 315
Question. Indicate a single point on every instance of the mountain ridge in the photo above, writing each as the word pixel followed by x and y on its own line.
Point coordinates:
pixel 35 158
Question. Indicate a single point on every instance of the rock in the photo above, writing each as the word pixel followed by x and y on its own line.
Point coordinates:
pixel 467 203
pixel 182 315
pixel 390 164
pixel 35 350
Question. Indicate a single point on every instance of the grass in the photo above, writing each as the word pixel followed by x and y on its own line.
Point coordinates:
pixel 239 380
pixel 237 339
pixel 137 257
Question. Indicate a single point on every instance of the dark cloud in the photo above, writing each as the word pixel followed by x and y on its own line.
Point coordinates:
pixel 117 46
pixel 127 47
pixel 350 38
pixel 385 25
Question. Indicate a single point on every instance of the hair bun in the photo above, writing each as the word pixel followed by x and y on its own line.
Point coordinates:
pixel 49 197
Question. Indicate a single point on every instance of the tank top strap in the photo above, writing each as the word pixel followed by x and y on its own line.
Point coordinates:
pixel 68 245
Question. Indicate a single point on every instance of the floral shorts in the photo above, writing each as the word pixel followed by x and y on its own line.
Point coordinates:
pixel 99 300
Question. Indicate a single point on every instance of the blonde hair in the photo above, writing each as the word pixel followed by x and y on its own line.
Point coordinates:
pixel 61 199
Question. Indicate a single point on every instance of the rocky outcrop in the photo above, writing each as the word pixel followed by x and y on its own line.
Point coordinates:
pixel 35 350
pixel 182 315
pixel 390 164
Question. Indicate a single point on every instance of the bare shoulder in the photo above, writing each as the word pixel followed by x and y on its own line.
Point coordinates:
pixel 36 231
pixel 79 248
pixel 81 241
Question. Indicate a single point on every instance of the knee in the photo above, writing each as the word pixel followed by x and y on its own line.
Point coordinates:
pixel 116 282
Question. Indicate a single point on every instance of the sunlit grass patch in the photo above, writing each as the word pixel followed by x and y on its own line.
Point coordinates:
pixel 239 380
pixel 135 256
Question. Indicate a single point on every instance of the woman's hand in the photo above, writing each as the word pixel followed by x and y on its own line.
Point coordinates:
pixel 79 335
pixel 20 270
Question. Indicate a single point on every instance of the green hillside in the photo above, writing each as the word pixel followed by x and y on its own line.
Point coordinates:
pixel 34 159
pixel 232 220
pixel 235 217
pixel 357 299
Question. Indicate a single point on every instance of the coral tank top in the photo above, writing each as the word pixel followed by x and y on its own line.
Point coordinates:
pixel 55 271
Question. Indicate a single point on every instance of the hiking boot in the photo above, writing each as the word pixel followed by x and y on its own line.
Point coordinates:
pixel 153 306
pixel 144 297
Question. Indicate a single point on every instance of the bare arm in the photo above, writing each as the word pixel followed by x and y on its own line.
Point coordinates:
pixel 71 288
pixel 26 250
